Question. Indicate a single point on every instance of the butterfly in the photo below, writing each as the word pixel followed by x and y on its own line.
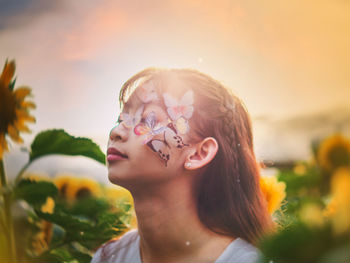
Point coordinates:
pixel 160 147
pixel 130 120
pixel 149 127
pixel 170 139
pixel 147 92
pixel 180 111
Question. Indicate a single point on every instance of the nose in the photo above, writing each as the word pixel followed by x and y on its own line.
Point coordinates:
pixel 118 133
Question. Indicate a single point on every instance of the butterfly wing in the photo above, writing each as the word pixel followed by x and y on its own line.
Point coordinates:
pixel 187 111
pixel 151 120
pixel 172 138
pixel 141 129
pixel 138 115
pixel 161 149
pixel 182 126
pixel 187 99
pixel 186 104
pixel 169 101
pixel 176 109
pixel 147 92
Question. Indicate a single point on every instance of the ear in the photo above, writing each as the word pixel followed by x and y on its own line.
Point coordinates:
pixel 202 154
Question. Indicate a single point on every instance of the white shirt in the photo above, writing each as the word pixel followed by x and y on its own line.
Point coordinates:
pixel 127 250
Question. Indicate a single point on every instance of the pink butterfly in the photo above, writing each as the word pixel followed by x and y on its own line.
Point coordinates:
pixel 130 120
pixel 149 127
pixel 147 92
pixel 180 111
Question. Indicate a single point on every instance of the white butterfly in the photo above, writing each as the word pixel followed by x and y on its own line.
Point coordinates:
pixel 172 138
pixel 160 147
pixel 149 127
pixel 147 92
pixel 180 111
pixel 130 120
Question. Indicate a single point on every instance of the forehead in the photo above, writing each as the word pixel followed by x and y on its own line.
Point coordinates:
pixel 134 103
pixel 170 85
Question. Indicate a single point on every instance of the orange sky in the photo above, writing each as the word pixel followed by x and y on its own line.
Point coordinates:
pixel 282 58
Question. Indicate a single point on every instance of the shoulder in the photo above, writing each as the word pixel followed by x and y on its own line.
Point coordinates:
pixel 240 251
pixel 118 250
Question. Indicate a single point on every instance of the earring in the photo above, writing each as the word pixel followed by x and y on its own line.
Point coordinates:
pixel 188 165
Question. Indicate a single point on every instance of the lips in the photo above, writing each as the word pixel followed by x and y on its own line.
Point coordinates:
pixel 113 155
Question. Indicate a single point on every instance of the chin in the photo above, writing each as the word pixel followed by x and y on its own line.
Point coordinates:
pixel 122 179
pixel 116 178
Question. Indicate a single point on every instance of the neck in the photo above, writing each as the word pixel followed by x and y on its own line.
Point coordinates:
pixel 169 226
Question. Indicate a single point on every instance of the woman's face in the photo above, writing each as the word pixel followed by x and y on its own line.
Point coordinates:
pixel 150 143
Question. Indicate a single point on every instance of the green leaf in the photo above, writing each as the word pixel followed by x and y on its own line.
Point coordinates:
pixel 60 142
pixel 35 192
pixel 12 84
pixel 81 257
pixel 297 243
pixel 89 207
pixel 58 255
pixel 340 254
pixel 295 183
pixel 68 222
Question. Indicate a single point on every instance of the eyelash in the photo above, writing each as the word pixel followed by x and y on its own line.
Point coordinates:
pixel 119 120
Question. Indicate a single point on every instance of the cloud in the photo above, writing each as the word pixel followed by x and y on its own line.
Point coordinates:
pixel 17 13
pixel 95 29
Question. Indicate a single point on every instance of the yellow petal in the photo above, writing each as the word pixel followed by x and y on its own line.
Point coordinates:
pixel 8 72
pixel 3 142
pixel 24 115
pixel 49 206
pixel 14 134
pixel 20 126
pixel 274 192
pixel 28 104
pixel 21 93
pixel 3 145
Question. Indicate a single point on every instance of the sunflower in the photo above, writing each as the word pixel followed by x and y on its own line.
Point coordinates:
pixel 41 240
pixel 274 192
pixel 299 169
pixel 338 210
pixel 49 206
pixel 312 214
pixel 36 177
pixel 13 108
pixel 62 183
pixel 334 152
pixel 82 188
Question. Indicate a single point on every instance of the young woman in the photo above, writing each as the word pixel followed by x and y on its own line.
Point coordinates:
pixel 183 147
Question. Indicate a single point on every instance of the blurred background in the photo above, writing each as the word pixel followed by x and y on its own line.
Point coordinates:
pixel 288 61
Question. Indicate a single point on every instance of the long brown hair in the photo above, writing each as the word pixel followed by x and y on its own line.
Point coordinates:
pixel 229 198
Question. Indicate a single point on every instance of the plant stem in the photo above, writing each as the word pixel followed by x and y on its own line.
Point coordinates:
pixel 8 216
pixel 19 176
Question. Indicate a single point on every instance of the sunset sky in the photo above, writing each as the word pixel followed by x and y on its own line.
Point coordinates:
pixel 282 58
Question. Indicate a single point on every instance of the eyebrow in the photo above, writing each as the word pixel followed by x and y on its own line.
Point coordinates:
pixel 130 103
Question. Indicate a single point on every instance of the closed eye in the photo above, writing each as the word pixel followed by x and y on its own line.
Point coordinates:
pixel 119 120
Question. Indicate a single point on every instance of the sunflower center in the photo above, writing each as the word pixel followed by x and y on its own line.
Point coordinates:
pixel 83 193
pixel 63 190
pixel 339 156
pixel 7 108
